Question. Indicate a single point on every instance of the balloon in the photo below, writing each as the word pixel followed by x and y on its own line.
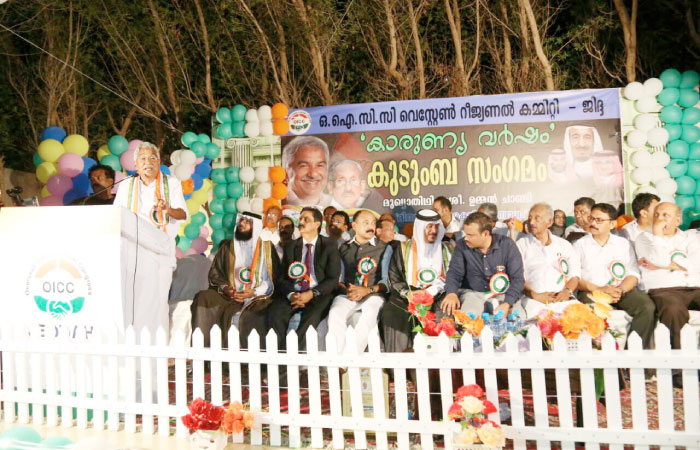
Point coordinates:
pixel 636 138
pixel 652 87
pixel 192 231
pixel 220 191
pixel 280 127
pixel 668 96
pixel 238 129
pixel 246 174
pixel 118 176
pixel 199 149
pixel 677 168
pixel 666 187
pixel 279 111
pixel 198 181
pixel 53 132
pixel 134 144
pixel 203 138
pixel 277 174
pixel 659 174
pixel 192 207
pixel 199 219
pixel 45 170
pixel 647 105
pixel 657 137
pixel 262 174
pixel 671 114
pixel 223 115
pixel 645 122
pixel 77 144
pixel 642 175
pixel 232 174
pixel 87 164
pixel 117 144
pixel 645 189
pixel 686 185
pixel 21 434
pixel 266 128
pixel 52 200
pixel 200 196
pixel 102 152
pixel 203 232
pixel 251 116
pixel 670 78
pixel 685 201
pixel 50 150
pixel 694 151
pixel 217 206
pixel 59 184
pixel 264 113
pixel 243 204
pixel 230 206
pixel 263 190
pixel 224 131
pixel 216 221
pixel 690 134
pixel 660 159
pixel 73 195
pixel 36 159
pixel 70 164
pixel 641 158
pixel 187 186
pixel 112 161
pixel 689 79
pixel 183 172
pixel 178 253
pixel 691 116
pixel 187 157
pixel 693 169
pixel 633 91
pixel 218 236
pixel 203 170
pixel 688 98
pixel 674 131
pixel 234 190
pixel 218 176
pixel 256 205
pixel 279 191
pixel 188 138
pixel 229 221
pixel 82 181
pixel 127 160
pixel 199 244
pixel 213 151
pixel 56 442
pixel 45 192
pixel 252 129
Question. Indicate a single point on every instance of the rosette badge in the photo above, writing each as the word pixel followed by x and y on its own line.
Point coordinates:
pixel 297 271
pixel 499 283
pixel 427 277
pixel 365 266
pixel 617 272
pixel 243 277
pixel 563 270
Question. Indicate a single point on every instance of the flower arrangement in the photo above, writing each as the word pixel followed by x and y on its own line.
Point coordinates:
pixel 469 324
pixel 209 425
pixel 236 419
pixel 470 409
pixel 419 306
pixel 203 416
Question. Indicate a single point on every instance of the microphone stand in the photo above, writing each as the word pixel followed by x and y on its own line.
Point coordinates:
pixel 95 194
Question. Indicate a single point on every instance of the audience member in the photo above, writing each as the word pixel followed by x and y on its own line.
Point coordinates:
pixel 559 225
pixel 327 214
pixel 443 206
pixel 101 180
pixel 271 219
pixel 339 226
pixel 643 207
pixel 582 211
pixel 397 236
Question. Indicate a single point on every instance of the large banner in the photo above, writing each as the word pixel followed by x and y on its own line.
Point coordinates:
pixel 512 150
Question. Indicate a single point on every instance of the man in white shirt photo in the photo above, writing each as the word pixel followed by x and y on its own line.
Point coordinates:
pixel 643 207
pixel 582 211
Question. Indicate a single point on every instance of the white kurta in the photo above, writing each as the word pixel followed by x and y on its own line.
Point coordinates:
pixel 683 248
pixel 596 260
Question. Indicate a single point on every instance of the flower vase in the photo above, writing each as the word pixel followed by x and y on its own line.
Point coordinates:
pixel 208 440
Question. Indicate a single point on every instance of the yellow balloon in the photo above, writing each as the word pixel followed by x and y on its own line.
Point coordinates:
pixel 50 150
pixel 192 206
pixel 102 152
pixel 201 196
pixel 45 192
pixel 206 185
pixel 77 144
pixel 45 170
pixel 182 229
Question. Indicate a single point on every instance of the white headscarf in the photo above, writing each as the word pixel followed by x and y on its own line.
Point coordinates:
pixel 257 230
pixel 582 169
pixel 429 255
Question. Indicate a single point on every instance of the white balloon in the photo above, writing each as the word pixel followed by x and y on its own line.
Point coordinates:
pixel 266 128
pixel 172 168
pixel 256 205
pixel 183 172
pixel 642 175
pixel 251 116
pixel 646 189
pixel 246 174
pixel 175 157
pixel 645 122
pixel 262 174
pixel 660 173
pixel 641 158
pixel 633 91
pixel 243 204
pixel 187 157
pixel 660 159
pixel 657 137
pixel 94 442
pixel 666 198
pixel 636 138
pixel 264 113
pixel 647 104
pixel 653 87
pixel 667 186
pixel 252 129
pixel 264 190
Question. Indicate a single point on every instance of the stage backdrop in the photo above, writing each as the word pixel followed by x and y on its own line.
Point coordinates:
pixel 512 150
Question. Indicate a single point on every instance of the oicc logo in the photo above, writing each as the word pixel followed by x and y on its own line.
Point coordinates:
pixel 59 287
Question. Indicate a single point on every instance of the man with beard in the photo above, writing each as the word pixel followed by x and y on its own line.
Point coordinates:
pixel 240 284
pixel 580 143
pixel 338 227
pixel 346 184
pixel 327 215
pixel 101 180
pixel 286 231
pixel 311 273
pixel 305 158
pixel 420 265
pixel 364 269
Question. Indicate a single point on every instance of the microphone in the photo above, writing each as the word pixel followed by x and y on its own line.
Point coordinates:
pixel 95 194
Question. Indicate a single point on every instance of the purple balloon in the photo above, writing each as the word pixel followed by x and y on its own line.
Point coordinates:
pixel 118 176
pixel 133 145
pixel 178 253
pixel 70 164
pixel 204 231
pixel 127 160
pixel 191 251
pixel 199 245
pixel 59 184
pixel 52 200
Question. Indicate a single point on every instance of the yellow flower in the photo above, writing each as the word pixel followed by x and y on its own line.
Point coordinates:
pixel 491 435
pixel 467 436
pixel 602 310
pixel 600 297
pixel 472 405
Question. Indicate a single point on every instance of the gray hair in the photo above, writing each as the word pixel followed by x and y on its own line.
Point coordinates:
pixel 337 164
pixel 293 146
pixel 144 145
pixel 490 210
pixel 546 207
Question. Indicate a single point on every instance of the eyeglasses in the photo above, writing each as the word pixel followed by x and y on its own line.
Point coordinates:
pixel 148 158
pixel 598 219
pixel 342 182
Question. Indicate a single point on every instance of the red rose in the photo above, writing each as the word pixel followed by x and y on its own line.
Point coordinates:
pixel 447 326
pixel 203 416
pixel 430 328
pixel 429 316
pixel 473 389
pixel 489 407
pixel 422 298
pixel 412 309
pixel 455 412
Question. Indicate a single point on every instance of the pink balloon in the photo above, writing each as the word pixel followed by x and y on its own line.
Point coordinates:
pixel 127 160
pixel 178 253
pixel 59 184
pixel 191 251
pixel 133 145
pixel 204 231
pixel 199 160
pixel 118 176
pixel 52 200
pixel 199 245
pixel 70 164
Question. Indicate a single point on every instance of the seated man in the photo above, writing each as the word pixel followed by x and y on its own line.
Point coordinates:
pixel 327 214
pixel 608 264
pixel 582 211
pixel 397 236
pixel 338 227
pixel 486 271
pixel 311 272
pixel 419 264
pixel 270 221
pixel 363 281
pixel 670 271
pixel 551 266
pixel 240 284
pixel 287 231
pixel 386 232
pixel 443 206
pixel 643 207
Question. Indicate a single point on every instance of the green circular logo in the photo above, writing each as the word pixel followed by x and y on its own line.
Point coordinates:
pixel 427 276
pixel 296 270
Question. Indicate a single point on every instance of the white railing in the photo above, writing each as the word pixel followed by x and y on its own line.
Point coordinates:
pixel 112 382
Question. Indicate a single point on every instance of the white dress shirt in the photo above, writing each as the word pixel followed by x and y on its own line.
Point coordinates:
pixel 632 230
pixel 683 248
pixel 542 269
pixel 454 226
pixel 147 199
pixel 601 265
pixel 573 228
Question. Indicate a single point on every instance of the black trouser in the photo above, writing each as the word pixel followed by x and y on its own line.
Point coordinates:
pixel 673 305
pixel 312 314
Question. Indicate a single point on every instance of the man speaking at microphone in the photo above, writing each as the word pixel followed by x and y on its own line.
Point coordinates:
pixel 153 195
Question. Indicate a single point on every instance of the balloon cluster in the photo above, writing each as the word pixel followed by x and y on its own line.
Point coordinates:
pixel 62 165
pixel 240 122
pixel 26 438
pixel 668 118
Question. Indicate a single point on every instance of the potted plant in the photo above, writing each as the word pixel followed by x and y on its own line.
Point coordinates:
pixel 473 430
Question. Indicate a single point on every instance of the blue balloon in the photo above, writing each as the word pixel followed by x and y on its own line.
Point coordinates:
pixel 198 181
pixel 203 169
pixel 73 195
pixel 36 159
pixel 56 133
pixel 165 169
pixel 187 196
pixel 82 182
pixel 87 164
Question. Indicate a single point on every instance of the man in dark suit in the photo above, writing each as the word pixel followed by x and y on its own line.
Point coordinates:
pixel 310 274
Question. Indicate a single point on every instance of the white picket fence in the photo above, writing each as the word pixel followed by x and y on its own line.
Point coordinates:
pixel 116 378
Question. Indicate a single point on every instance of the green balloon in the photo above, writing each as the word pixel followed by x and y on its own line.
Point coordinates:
pixel 691 116
pixel 213 151
pixel 192 231
pixel 183 242
pixel 220 191
pixel 231 174
pixel 694 169
pixel 688 98
pixel 20 434
pixel 56 443
pixel 694 152
pixel 224 131
pixel 690 134
pixel 218 176
pixel 223 115
pixel 677 168
pixel 674 131
pixel 188 138
pixel 685 201
pixel 235 190
pixel 217 236
pixel 229 221
pixel 686 185
pixel 230 206
pixel 677 149
pixel 668 96
pixel 671 114
pixel 36 159
pixel 203 138
pixel 217 206
pixel 670 78
pixel 117 145
pixel 199 149
pixel 690 79
pixel 112 161
pixel 238 129
pixel 238 113
pixel 199 219
pixel 216 221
